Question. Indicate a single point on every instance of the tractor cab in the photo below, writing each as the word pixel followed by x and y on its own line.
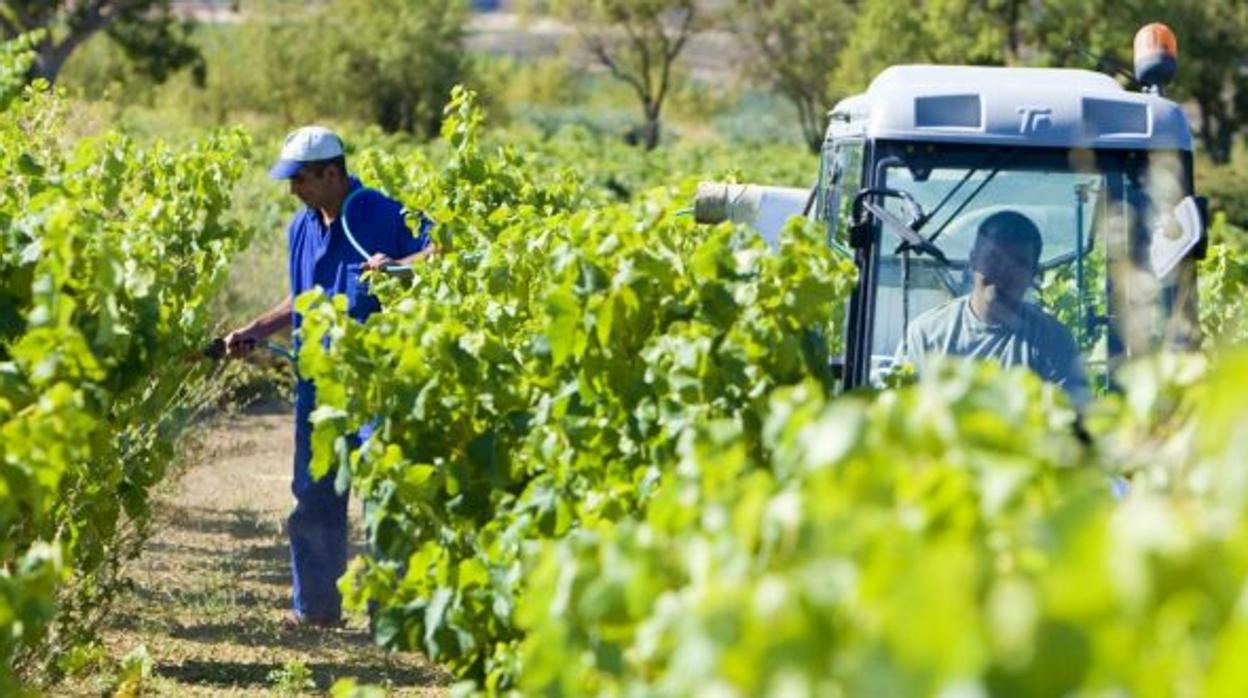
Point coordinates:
pixel 1034 216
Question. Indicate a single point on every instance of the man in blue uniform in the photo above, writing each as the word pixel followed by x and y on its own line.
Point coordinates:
pixel 343 230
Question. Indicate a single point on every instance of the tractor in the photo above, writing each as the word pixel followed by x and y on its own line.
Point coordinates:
pixel 911 169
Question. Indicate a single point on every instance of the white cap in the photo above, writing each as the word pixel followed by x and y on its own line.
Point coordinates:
pixel 304 145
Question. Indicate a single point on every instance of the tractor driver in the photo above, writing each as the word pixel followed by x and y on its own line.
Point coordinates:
pixel 993 321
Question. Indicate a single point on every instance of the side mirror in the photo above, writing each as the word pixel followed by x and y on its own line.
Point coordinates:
pixel 766 209
pixel 1178 234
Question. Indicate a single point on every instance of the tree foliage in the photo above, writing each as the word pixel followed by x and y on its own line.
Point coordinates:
pixel 996 32
pixel 797 46
pixel 391 62
pixel 151 36
pixel 1213 39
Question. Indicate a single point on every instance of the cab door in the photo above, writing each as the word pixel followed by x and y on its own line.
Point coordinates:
pixel 841 177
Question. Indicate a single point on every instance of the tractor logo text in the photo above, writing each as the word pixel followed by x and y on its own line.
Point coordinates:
pixel 1034 119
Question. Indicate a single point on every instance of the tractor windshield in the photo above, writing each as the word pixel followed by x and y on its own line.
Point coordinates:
pixel 1047 255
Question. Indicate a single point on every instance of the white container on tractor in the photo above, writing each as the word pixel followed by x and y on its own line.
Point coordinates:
pixel 911 168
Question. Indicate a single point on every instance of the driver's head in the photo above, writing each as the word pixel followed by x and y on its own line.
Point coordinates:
pixel 1006 253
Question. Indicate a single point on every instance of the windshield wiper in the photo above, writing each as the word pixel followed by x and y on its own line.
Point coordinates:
pixel 910 238
pixel 1006 157
pixel 956 188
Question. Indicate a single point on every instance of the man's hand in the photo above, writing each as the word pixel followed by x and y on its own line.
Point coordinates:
pixel 240 343
pixel 245 339
pixel 378 261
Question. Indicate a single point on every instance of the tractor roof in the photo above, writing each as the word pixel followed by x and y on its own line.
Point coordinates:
pixel 1041 107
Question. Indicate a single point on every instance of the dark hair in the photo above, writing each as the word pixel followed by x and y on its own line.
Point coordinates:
pixel 1013 229
pixel 316 167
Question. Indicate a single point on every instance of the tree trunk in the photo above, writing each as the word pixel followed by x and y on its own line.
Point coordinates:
pixel 1215 131
pixel 650 133
pixel 1013 32
pixel 811 117
pixel 49 59
pixel 649 136
pixel 50 56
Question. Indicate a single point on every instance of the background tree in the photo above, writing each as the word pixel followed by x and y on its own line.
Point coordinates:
pixel 392 62
pixel 965 32
pixel 638 41
pixel 1213 43
pixel 151 36
pixel 796 45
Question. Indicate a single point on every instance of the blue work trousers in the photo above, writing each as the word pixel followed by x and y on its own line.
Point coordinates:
pixel 317 526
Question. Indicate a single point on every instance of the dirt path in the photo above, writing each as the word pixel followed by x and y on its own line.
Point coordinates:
pixel 212 587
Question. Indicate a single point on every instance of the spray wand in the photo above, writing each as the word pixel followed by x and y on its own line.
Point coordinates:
pixel 216 349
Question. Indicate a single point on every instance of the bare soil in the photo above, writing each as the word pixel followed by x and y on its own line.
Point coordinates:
pixel 211 589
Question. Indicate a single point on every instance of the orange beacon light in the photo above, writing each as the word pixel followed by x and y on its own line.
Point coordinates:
pixel 1156 56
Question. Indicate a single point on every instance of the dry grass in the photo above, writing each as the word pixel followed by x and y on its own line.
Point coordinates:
pixel 213 585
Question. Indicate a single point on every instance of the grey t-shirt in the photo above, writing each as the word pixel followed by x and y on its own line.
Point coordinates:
pixel 1034 340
